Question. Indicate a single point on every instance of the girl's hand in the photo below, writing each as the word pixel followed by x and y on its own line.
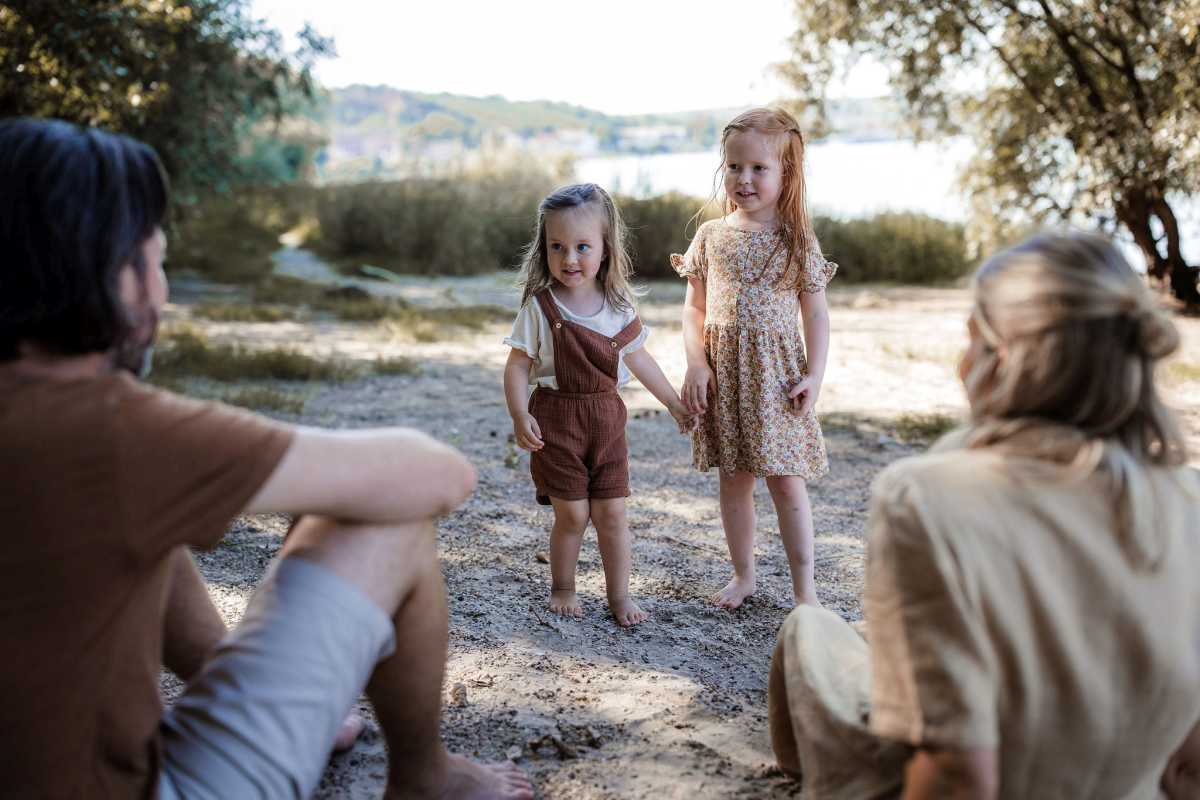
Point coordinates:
pixel 803 395
pixel 529 435
pixel 695 388
pixel 686 420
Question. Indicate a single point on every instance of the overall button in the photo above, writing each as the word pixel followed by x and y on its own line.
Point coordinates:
pixel 614 344
pixel 558 324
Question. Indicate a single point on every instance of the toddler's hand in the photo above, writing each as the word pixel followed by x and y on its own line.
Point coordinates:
pixel 686 420
pixel 529 435
pixel 803 395
pixel 695 388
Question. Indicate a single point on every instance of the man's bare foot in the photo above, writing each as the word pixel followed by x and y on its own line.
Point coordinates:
pixel 626 612
pixel 565 603
pixel 469 780
pixel 735 592
pixel 352 727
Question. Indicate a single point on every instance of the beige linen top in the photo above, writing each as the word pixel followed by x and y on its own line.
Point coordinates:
pixel 1007 612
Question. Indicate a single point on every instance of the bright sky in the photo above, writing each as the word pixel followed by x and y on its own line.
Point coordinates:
pixel 615 56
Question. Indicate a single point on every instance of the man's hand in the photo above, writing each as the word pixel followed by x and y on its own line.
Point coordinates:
pixel 527 432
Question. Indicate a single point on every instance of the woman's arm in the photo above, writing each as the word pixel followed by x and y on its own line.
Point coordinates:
pixel 698 376
pixel 516 396
pixel 951 775
pixel 1181 778
pixel 815 313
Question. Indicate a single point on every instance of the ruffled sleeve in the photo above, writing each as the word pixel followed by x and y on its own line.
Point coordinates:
pixel 818 271
pixel 693 263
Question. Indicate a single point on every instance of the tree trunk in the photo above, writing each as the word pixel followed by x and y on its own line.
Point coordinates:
pixel 1183 276
pixel 1136 208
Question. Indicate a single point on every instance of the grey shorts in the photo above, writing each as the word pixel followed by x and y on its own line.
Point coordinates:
pixel 260 719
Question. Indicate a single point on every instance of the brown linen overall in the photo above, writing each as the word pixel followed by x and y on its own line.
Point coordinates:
pixel 582 422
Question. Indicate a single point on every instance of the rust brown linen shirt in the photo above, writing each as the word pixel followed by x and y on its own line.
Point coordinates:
pixel 100 480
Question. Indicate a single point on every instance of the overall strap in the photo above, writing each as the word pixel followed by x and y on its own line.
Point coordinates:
pixel 629 332
pixel 549 307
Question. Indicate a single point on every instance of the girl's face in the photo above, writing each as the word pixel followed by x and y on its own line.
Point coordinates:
pixel 575 244
pixel 753 174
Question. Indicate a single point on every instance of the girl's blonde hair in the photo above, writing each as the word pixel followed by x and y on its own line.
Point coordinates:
pixel 615 270
pixel 795 226
pixel 1070 338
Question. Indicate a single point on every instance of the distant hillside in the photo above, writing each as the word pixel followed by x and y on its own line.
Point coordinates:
pixel 379 130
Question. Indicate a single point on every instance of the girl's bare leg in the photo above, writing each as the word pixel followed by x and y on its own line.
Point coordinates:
pixel 737 515
pixel 566 537
pixel 612 533
pixel 790 494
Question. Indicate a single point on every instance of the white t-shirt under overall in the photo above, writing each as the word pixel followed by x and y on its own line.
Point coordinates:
pixel 531 333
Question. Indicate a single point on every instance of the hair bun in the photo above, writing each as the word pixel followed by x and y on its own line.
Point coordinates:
pixel 1157 336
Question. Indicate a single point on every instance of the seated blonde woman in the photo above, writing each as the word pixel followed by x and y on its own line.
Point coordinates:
pixel 1033 583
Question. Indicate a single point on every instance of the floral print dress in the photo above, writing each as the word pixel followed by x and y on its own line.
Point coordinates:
pixel 756 353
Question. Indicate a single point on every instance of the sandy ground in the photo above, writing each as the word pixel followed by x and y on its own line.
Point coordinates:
pixel 675 708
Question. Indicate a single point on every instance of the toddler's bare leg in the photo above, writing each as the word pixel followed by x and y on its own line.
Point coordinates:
pixel 612 534
pixel 566 537
pixel 737 515
pixel 790 495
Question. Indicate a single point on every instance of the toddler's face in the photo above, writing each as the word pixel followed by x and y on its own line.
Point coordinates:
pixel 753 174
pixel 575 244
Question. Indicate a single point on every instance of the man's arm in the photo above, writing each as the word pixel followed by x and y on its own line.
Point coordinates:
pixel 391 475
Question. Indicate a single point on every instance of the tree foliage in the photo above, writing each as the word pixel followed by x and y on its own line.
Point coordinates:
pixel 197 79
pixel 1080 109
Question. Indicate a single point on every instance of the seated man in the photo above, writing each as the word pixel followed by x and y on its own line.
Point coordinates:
pixel 107 481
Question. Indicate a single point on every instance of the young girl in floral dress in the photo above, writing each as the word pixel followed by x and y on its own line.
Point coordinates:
pixel 751 274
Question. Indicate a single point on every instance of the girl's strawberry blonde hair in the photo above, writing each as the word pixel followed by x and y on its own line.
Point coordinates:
pixel 795 226
pixel 616 269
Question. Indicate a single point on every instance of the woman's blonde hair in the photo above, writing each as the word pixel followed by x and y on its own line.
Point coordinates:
pixel 795 226
pixel 1069 338
pixel 616 269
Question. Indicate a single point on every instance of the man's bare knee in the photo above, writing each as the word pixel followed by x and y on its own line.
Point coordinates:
pixel 384 561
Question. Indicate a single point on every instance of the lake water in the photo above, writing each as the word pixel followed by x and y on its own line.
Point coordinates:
pixel 845 179
pixel 849 179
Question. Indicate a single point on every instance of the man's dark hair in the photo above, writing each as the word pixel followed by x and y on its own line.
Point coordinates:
pixel 76 205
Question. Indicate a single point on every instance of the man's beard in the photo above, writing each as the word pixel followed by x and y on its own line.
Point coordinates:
pixel 135 353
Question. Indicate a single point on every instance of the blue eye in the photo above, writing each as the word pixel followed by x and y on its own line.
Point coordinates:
pixel 760 168
pixel 583 248
pixel 556 247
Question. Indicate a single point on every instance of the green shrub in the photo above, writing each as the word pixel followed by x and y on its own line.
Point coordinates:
pixel 659 226
pixel 460 225
pixel 905 248
pixel 230 237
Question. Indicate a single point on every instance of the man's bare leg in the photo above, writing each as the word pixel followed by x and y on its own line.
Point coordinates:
pixel 397 567
pixel 192 628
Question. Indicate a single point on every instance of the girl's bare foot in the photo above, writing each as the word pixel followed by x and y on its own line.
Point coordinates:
pixel 469 780
pixel 565 603
pixel 735 592
pixel 626 612
pixel 808 599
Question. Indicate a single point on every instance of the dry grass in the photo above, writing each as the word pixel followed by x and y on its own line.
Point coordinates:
pixel 398 365
pixel 188 353
pixel 242 312
pixel 913 428
pixel 1183 372
pixel 263 398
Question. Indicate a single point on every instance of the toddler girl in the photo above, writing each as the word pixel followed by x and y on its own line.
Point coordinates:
pixel 577 338
pixel 748 274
